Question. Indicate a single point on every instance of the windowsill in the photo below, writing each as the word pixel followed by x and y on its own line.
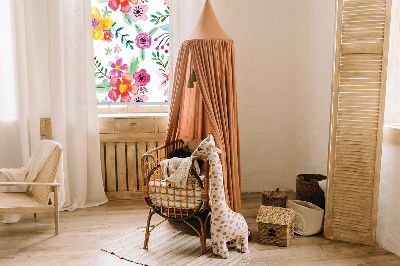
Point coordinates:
pixel 132 110
pixel 133 115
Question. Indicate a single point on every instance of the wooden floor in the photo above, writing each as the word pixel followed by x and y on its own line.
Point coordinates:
pixel 83 232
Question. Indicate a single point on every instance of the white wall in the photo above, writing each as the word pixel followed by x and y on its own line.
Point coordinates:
pixel 314 60
pixel 388 227
pixel 284 52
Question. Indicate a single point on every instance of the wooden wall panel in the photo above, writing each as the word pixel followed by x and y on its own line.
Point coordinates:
pixel 122 150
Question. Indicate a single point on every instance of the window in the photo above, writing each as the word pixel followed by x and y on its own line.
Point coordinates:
pixel 131 43
pixel 392 108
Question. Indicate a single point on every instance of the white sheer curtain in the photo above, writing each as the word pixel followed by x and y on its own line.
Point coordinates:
pixel 10 144
pixel 184 15
pixel 53 76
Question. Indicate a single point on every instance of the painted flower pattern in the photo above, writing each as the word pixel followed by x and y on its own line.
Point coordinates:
pixel 125 6
pixel 117 49
pixel 117 67
pixel 108 50
pixel 106 12
pixel 131 39
pixel 107 36
pixel 99 24
pixel 164 76
pixel 141 98
pixel 143 40
pixel 141 77
pixel 123 88
pixel 138 12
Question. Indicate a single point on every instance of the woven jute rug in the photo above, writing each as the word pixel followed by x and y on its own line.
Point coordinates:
pixel 168 247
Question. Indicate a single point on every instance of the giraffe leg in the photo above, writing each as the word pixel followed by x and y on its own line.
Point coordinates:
pixel 222 249
pixel 215 248
pixel 233 243
pixel 243 243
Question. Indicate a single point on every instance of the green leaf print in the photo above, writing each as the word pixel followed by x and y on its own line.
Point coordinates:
pixel 153 30
pixel 127 18
pixel 104 86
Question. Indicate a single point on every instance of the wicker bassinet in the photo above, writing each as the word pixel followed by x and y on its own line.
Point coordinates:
pixel 170 202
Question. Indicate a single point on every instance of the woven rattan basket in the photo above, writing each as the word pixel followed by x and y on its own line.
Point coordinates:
pixel 274 198
pixel 308 189
pixel 275 225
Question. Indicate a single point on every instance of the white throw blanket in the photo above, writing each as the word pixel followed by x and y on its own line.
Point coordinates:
pixel 176 170
pixel 29 173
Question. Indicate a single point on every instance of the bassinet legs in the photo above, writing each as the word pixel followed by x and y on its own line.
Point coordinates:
pixel 202 233
pixel 147 235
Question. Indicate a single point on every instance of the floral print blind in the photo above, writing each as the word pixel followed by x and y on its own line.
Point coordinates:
pixel 131 43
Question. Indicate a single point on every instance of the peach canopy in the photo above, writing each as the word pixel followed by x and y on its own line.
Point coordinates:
pixel 211 105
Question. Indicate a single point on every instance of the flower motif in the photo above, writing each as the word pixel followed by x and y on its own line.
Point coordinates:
pixel 166 2
pixel 122 88
pixel 117 67
pixel 106 12
pixel 107 36
pixel 141 77
pixel 164 78
pixel 99 24
pixel 108 50
pixel 138 12
pixel 139 98
pixel 125 7
pixel 117 48
pixel 143 40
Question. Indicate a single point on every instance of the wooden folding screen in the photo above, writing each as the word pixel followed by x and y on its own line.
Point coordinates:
pixel 358 96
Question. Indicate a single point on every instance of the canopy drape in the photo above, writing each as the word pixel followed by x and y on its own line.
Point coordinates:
pixel 211 106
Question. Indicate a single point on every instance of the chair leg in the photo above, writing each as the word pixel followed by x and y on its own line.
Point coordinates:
pixel 34 215
pixel 203 232
pixel 203 236
pixel 56 211
pixel 147 235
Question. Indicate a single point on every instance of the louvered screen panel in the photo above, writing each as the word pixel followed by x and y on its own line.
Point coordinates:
pixel 358 96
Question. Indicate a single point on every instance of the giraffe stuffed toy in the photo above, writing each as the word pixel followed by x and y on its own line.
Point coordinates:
pixel 226 225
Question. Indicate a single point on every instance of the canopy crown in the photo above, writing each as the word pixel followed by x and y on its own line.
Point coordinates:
pixel 207 26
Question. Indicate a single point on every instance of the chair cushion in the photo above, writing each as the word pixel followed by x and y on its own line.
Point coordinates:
pixel 15 199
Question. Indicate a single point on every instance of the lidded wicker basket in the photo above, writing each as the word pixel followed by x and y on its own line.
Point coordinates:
pixel 274 198
pixel 275 225
pixel 308 189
